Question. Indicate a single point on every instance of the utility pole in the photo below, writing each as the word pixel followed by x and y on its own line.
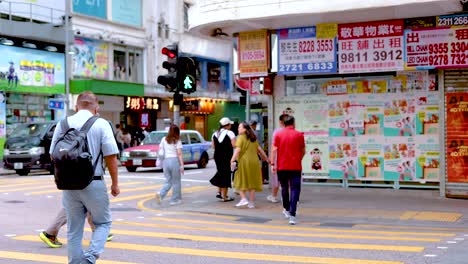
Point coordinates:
pixel 67 56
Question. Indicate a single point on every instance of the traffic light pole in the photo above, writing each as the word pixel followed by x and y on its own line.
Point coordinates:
pixel 247 102
pixel 176 108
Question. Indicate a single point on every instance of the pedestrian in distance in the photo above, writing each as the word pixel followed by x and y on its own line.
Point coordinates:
pixel 173 166
pixel 49 236
pixel 248 177
pixel 223 142
pixel 288 150
pixel 274 183
pixel 119 137
pixel 93 198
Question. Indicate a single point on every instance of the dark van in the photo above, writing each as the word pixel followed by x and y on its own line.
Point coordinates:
pixel 27 147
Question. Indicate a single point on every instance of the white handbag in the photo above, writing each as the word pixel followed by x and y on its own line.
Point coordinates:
pixel 161 153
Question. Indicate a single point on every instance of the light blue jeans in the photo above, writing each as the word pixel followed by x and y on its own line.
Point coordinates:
pixel 171 168
pixel 93 198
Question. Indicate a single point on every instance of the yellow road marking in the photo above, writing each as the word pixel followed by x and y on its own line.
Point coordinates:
pixel 29 188
pixel 151 195
pixel 256 232
pixel 21 184
pixel 231 254
pixel 56 190
pixel 298 228
pixel 47 258
pixel 451 229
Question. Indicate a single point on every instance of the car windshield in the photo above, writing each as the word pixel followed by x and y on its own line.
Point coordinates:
pixel 154 138
pixel 30 130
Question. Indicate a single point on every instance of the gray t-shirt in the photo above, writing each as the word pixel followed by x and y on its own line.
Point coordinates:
pixel 100 137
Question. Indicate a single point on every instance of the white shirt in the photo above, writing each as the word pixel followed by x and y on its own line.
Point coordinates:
pixel 170 150
pixel 221 134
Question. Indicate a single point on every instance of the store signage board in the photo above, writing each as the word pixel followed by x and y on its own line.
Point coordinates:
pixel 436 48
pixel 56 104
pixel 136 103
pixel 371 47
pixel 301 52
pixel 254 53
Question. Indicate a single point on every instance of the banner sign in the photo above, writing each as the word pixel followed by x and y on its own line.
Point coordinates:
pixel 436 48
pixel 127 12
pixel 254 53
pixel 136 103
pixel 371 47
pixel 452 20
pixel 457 139
pixel 95 8
pixel 301 52
pixel 91 58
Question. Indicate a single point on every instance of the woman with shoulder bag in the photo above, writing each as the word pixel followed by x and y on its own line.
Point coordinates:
pixel 173 166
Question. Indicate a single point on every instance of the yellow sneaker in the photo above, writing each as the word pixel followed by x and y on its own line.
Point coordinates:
pixel 51 241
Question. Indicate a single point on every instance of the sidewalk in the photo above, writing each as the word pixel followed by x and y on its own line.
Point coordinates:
pixel 4 172
pixel 340 206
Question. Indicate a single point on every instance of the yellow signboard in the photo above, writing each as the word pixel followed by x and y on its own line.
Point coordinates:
pixel 253 53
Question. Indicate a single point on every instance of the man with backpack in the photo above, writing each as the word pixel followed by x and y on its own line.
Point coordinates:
pixel 79 145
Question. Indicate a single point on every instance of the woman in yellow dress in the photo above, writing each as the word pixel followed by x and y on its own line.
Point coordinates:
pixel 248 177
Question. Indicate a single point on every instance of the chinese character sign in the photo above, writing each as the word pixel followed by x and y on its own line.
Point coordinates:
pixel 300 52
pixel 141 103
pixel 370 47
pixel 436 48
pixel 253 53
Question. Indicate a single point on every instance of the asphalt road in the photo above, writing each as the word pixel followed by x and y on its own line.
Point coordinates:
pixel 203 230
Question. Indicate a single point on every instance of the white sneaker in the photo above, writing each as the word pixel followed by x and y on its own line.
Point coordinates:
pixel 292 220
pixel 272 199
pixel 175 202
pixel 251 206
pixel 286 213
pixel 242 202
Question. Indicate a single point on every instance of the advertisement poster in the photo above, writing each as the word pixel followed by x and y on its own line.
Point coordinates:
pixel 370 157
pixel 254 53
pixel 315 162
pixel 428 159
pixel 127 12
pixel 436 48
pixel 427 113
pixel 91 58
pixel 457 139
pixel 399 159
pixel 399 116
pixel 95 8
pixel 301 52
pixel 373 114
pixel 371 47
pixel 30 70
pixel 345 115
pixel 343 158
pixel 291 105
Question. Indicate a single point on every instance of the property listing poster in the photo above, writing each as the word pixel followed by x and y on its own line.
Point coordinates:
pixel 310 113
pixel 427 113
pixel 399 115
pixel 370 157
pixel 343 158
pixel 427 159
pixel 456 136
pixel 399 159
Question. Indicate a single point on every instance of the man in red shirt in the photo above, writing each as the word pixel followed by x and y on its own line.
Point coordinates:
pixel 289 149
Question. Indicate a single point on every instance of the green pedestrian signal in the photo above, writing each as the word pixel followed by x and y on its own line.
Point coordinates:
pixel 186 72
pixel 187 83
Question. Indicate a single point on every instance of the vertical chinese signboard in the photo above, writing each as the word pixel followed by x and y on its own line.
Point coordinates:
pixel 302 52
pixel 254 53
pixel 456 137
pixel 371 47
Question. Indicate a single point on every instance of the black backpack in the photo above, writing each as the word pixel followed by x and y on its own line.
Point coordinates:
pixel 73 162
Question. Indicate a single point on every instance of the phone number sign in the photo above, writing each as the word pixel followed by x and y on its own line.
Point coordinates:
pixel 371 47
pixel 437 48
pixel 301 52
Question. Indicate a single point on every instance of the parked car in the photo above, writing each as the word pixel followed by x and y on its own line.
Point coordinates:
pixel 194 148
pixel 27 147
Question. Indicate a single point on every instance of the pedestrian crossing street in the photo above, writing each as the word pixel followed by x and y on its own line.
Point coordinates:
pixel 147 233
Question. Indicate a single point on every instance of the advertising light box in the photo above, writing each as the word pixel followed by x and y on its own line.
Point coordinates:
pixel 33 71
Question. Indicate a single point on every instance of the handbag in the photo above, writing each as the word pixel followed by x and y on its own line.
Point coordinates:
pixel 161 153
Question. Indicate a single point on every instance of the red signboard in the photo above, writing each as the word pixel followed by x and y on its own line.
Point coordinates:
pixel 457 138
pixel 371 47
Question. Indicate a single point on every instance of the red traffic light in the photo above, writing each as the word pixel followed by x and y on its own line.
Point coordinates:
pixel 169 53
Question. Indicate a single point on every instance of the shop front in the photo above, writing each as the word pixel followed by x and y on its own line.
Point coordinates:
pixel 141 112
pixel 370 116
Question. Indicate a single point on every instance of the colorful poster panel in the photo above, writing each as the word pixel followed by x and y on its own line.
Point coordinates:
pixel 90 58
pixel 345 115
pixel 254 53
pixel 456 136
pixel 343 160
pixel 427 159
pixel 370 157
pixel 399 159
pixel 399 116
pixel 315 162
pixel 427 113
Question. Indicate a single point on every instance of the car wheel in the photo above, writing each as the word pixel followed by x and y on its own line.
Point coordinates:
pixel 203 161
pixel 23 172
pixel 131 168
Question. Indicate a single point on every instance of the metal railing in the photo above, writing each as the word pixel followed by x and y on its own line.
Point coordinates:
pixel 29 12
